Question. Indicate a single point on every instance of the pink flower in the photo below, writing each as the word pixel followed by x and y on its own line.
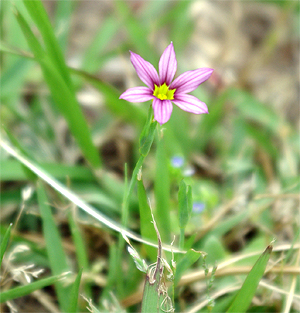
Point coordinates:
pixel 162 90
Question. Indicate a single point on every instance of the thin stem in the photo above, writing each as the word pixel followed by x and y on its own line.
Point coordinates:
pixel 181 238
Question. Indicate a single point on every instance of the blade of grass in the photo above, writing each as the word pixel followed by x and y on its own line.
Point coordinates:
pixel 29 174
pixel 56 254
pixel 244 297
pixel 127 111
pixel 77 201
pixel 22 291
pixel 63 16
pixel 185 205
pixel 155 296
pixel 185 262
pixel 74 295
pixel 81 254
pixel 63 95
pixel 106 33
pixel 4 243
pixel 40 17
pixel 13 170
pixel 147 229
pixel 162 192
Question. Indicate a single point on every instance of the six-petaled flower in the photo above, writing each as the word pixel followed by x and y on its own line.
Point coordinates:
pixel 162 90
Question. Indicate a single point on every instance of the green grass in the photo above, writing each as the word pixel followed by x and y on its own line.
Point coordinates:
pixel 102 175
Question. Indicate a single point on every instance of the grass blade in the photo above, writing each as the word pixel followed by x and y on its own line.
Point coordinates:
pixel 13 170
pixel 147 229
pixel 244 297
pixel 162 192
pixel 155 296
pixel 40 17
pixel 77 201
pixel 56 254
pixel 185 263
pixel 4 243
pixel 75 294
pixel 63 95
pixel 28 289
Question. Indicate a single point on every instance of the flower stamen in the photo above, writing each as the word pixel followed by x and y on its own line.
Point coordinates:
pixel 163 93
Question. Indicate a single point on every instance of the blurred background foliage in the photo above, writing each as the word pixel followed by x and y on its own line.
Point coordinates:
pixel 60 87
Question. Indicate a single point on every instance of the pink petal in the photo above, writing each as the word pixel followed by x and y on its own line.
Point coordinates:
pixel 162 110
pixel 190 80
pixel 145 70
pixel 167 65
pixel 190 104
pixel 137 94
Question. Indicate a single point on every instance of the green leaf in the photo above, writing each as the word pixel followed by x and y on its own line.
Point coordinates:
pixel 63 16
pixel 21 291
pixel 92 58
pixel 254 110
pixel 147 229
pixel 13 170
pixel 40 17
pixel 56 254
pixel 27 172
pixel 185 263
pixel 244 297
pixel 102 218
pixel 74 295
pixel 162 192
pixel 4 243
pixel 63 95
pixel 185 204
pixel 155 297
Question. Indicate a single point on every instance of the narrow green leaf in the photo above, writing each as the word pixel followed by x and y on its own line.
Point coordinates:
pixel 244 297
pixel 162 192
pixel 150 302
pixel 74 295
pixel 40 17
pixel 102 218
pixel 253 109
pixel 56 254
pixel 21 291
pixel 155 296
pixel 63 95
pixel 185 204
pixel 63 15
pixel 33 43
pixel 13 170
pixel 147 229
pixel 27 172
pixel 185 263
pixel 80 249
pixel 92 57
pixel 4 243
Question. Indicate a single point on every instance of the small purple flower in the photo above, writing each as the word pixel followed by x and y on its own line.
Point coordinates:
pixel 162 90
pixel 177 161
pixel 198 207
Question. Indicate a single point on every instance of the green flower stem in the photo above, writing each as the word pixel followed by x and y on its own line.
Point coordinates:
pixel 125 209
pixel 146 140
pixel 181 238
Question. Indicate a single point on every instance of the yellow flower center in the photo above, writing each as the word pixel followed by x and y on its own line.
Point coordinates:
pixel 163 93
